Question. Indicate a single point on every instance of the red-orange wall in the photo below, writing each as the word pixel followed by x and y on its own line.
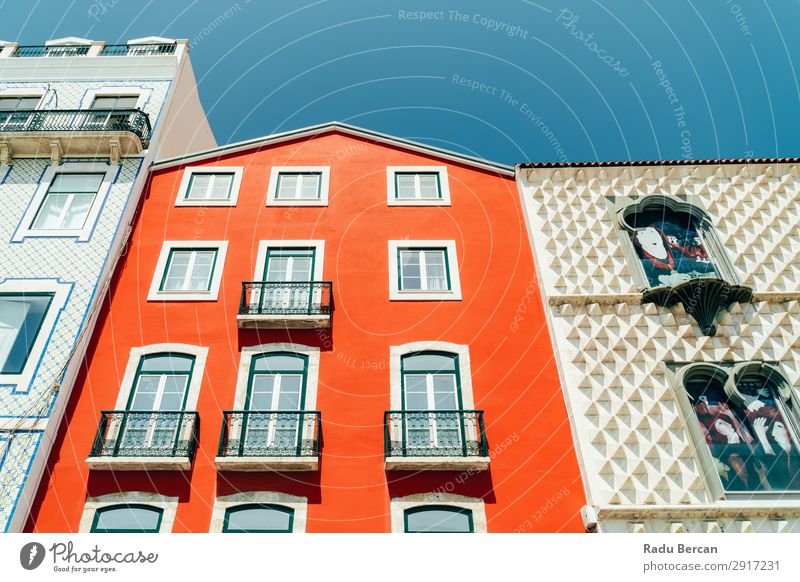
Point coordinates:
pixel 533 483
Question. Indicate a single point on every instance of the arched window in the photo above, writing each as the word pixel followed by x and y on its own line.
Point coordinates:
pixel 679 258
pixel 746 417
pixel 127 518
pixel 438 519
pixel 258 518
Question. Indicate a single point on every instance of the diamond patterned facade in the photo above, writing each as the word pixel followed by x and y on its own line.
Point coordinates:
pixel 640 465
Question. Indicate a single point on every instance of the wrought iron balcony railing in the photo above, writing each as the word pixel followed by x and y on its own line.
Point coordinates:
pixel 134 433
pixel 134 121
pixel 129 50
pixel 286 298
pixel 273 433
pixel 435 433
pixel 111 50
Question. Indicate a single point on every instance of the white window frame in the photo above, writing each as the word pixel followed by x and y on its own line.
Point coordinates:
pixel 23 92
pixel 399 505
pixel 25 230
pixel 265 245
pixel 444 185
pixel 396 294
pixel 312 371
pixel 156 294
pixel 61 292
pixel 192 390
pixel 168 505
pixel 223 503
pixel 236 184
pixel 142 94
pixel 324 186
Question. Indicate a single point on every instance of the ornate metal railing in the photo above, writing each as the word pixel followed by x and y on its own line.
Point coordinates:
pixel 274 433
pixel 124 50
pixel 110 50
pixel 133 433
pixel 435 433
pixel 66 50
pixel 292 298
pixel 135 121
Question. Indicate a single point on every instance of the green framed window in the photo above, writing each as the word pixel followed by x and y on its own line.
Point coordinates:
pixel 423 269
pixel 438 519
pixel 299 186
pixel 289 264
pixel 67 203
pixel 127 518
pixel 208 186
pixel 417 186
pixel 258 518
pixel 189 269
pixel 161 384
pixel 21 319
pixel 431 382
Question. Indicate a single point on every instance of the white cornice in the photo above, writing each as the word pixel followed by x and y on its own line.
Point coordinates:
pixel 151 67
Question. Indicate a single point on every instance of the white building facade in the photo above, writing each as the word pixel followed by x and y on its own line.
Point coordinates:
pixel 673 298
pixel 80 124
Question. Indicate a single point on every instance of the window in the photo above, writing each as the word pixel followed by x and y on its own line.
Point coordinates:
pixel 746 416
pixel 299 186
pixel 23 103
pixel 21 319
pixel 210 186
pixel 127 519
pixel 188 270
pixel 67 201
pixel 438 519
pixel 115 102
pixel 423 270
pixel 417 186
pixel 15 111
pixel 258 518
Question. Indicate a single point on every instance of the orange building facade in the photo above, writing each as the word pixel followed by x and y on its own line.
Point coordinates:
pixel 329 330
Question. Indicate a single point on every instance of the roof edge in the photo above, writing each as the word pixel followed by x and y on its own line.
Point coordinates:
pixel 345 128
pixel 682 162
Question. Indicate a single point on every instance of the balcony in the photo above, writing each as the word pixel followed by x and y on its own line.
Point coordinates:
pixel 435 440
pixel 276 440
pixel 56 133
pixel 285 305
pixel 129 440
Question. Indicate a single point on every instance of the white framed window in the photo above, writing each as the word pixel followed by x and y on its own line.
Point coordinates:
pixel 15 107
pixel 438 513
pixel 417 186
pixel 188 271
pixel 128 512
pixel 67 202
pixel 29 310
pixel 225 507
pixel 423 270
pixel 116 97
pixel 210 186
pixel 133 372
pixel 298 186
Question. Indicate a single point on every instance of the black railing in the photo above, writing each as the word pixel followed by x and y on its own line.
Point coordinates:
pixel 66 50
pixel 435 433
pixel 274 433
pixel 134 433
pixel 125 50
pixel 81 50
pixel 135 121
pixel 289 298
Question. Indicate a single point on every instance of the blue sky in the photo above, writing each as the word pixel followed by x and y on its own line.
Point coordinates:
pixel 510 80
